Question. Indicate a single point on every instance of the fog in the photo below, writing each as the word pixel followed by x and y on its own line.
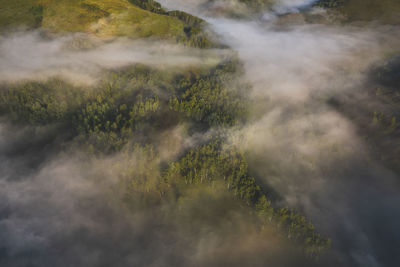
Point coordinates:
pixel 80 58
pixel 65 209
pixel 207 7
pixel 301 147
pixel 308 152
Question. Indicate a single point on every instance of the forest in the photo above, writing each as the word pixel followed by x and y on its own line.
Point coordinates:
pixel 227 138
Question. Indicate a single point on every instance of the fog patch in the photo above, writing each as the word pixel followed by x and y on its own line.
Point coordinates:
pixel 207 8
pixel 286 6
pixel 78 210
pixel 302 148
pixel 81 58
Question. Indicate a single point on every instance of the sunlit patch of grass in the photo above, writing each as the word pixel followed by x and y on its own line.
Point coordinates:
pixel 129 20
pixel 100 17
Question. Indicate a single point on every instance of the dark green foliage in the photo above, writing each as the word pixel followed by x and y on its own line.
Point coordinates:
pixel 208 100
pixel 194 30
pixel 213 163
pixel 300 230
pixel 130 108
pixel 383 109
pixel 257 4
pixel 141 102
pixel 330 3
pixel 187 18
pixel 110 122
pixel 377 112
pixel 40 102
pixel 95 9
pixel 37 12
pixel 195 35
pixel 209 163
pixel 129 101
pixel 108 114
pixel 136 99
pixel 389 74
pixel 384 11
pixel 149 5
pixel 131 105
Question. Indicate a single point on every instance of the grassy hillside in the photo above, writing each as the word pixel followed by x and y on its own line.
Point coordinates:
pixel 386 11
pixel 18 12
pixel 109 17
pixel 104 18
pixel 140 119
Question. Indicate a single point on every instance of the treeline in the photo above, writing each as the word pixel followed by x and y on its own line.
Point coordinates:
pixel 132 106
pixel 262 4
pixel 213 162
pixel 257 4
pixel 210 167
pixel 195 35
pixel 329 3
pixel 208 100
pixel 129 102
pixel 383 107
pixel 40 103
pixel 377 115
pixel 149 5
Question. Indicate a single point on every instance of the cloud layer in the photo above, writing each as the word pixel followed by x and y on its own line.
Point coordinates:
pixel 302 148
pixel 310 154
pixel 81 58
pixel 62 210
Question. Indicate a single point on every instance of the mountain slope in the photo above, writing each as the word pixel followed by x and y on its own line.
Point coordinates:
pixel 105 19
pixel 148 146
pixel 386 11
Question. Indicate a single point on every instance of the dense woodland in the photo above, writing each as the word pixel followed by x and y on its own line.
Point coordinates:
pixel 377 117
pixel 133 104
pixel 130 109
